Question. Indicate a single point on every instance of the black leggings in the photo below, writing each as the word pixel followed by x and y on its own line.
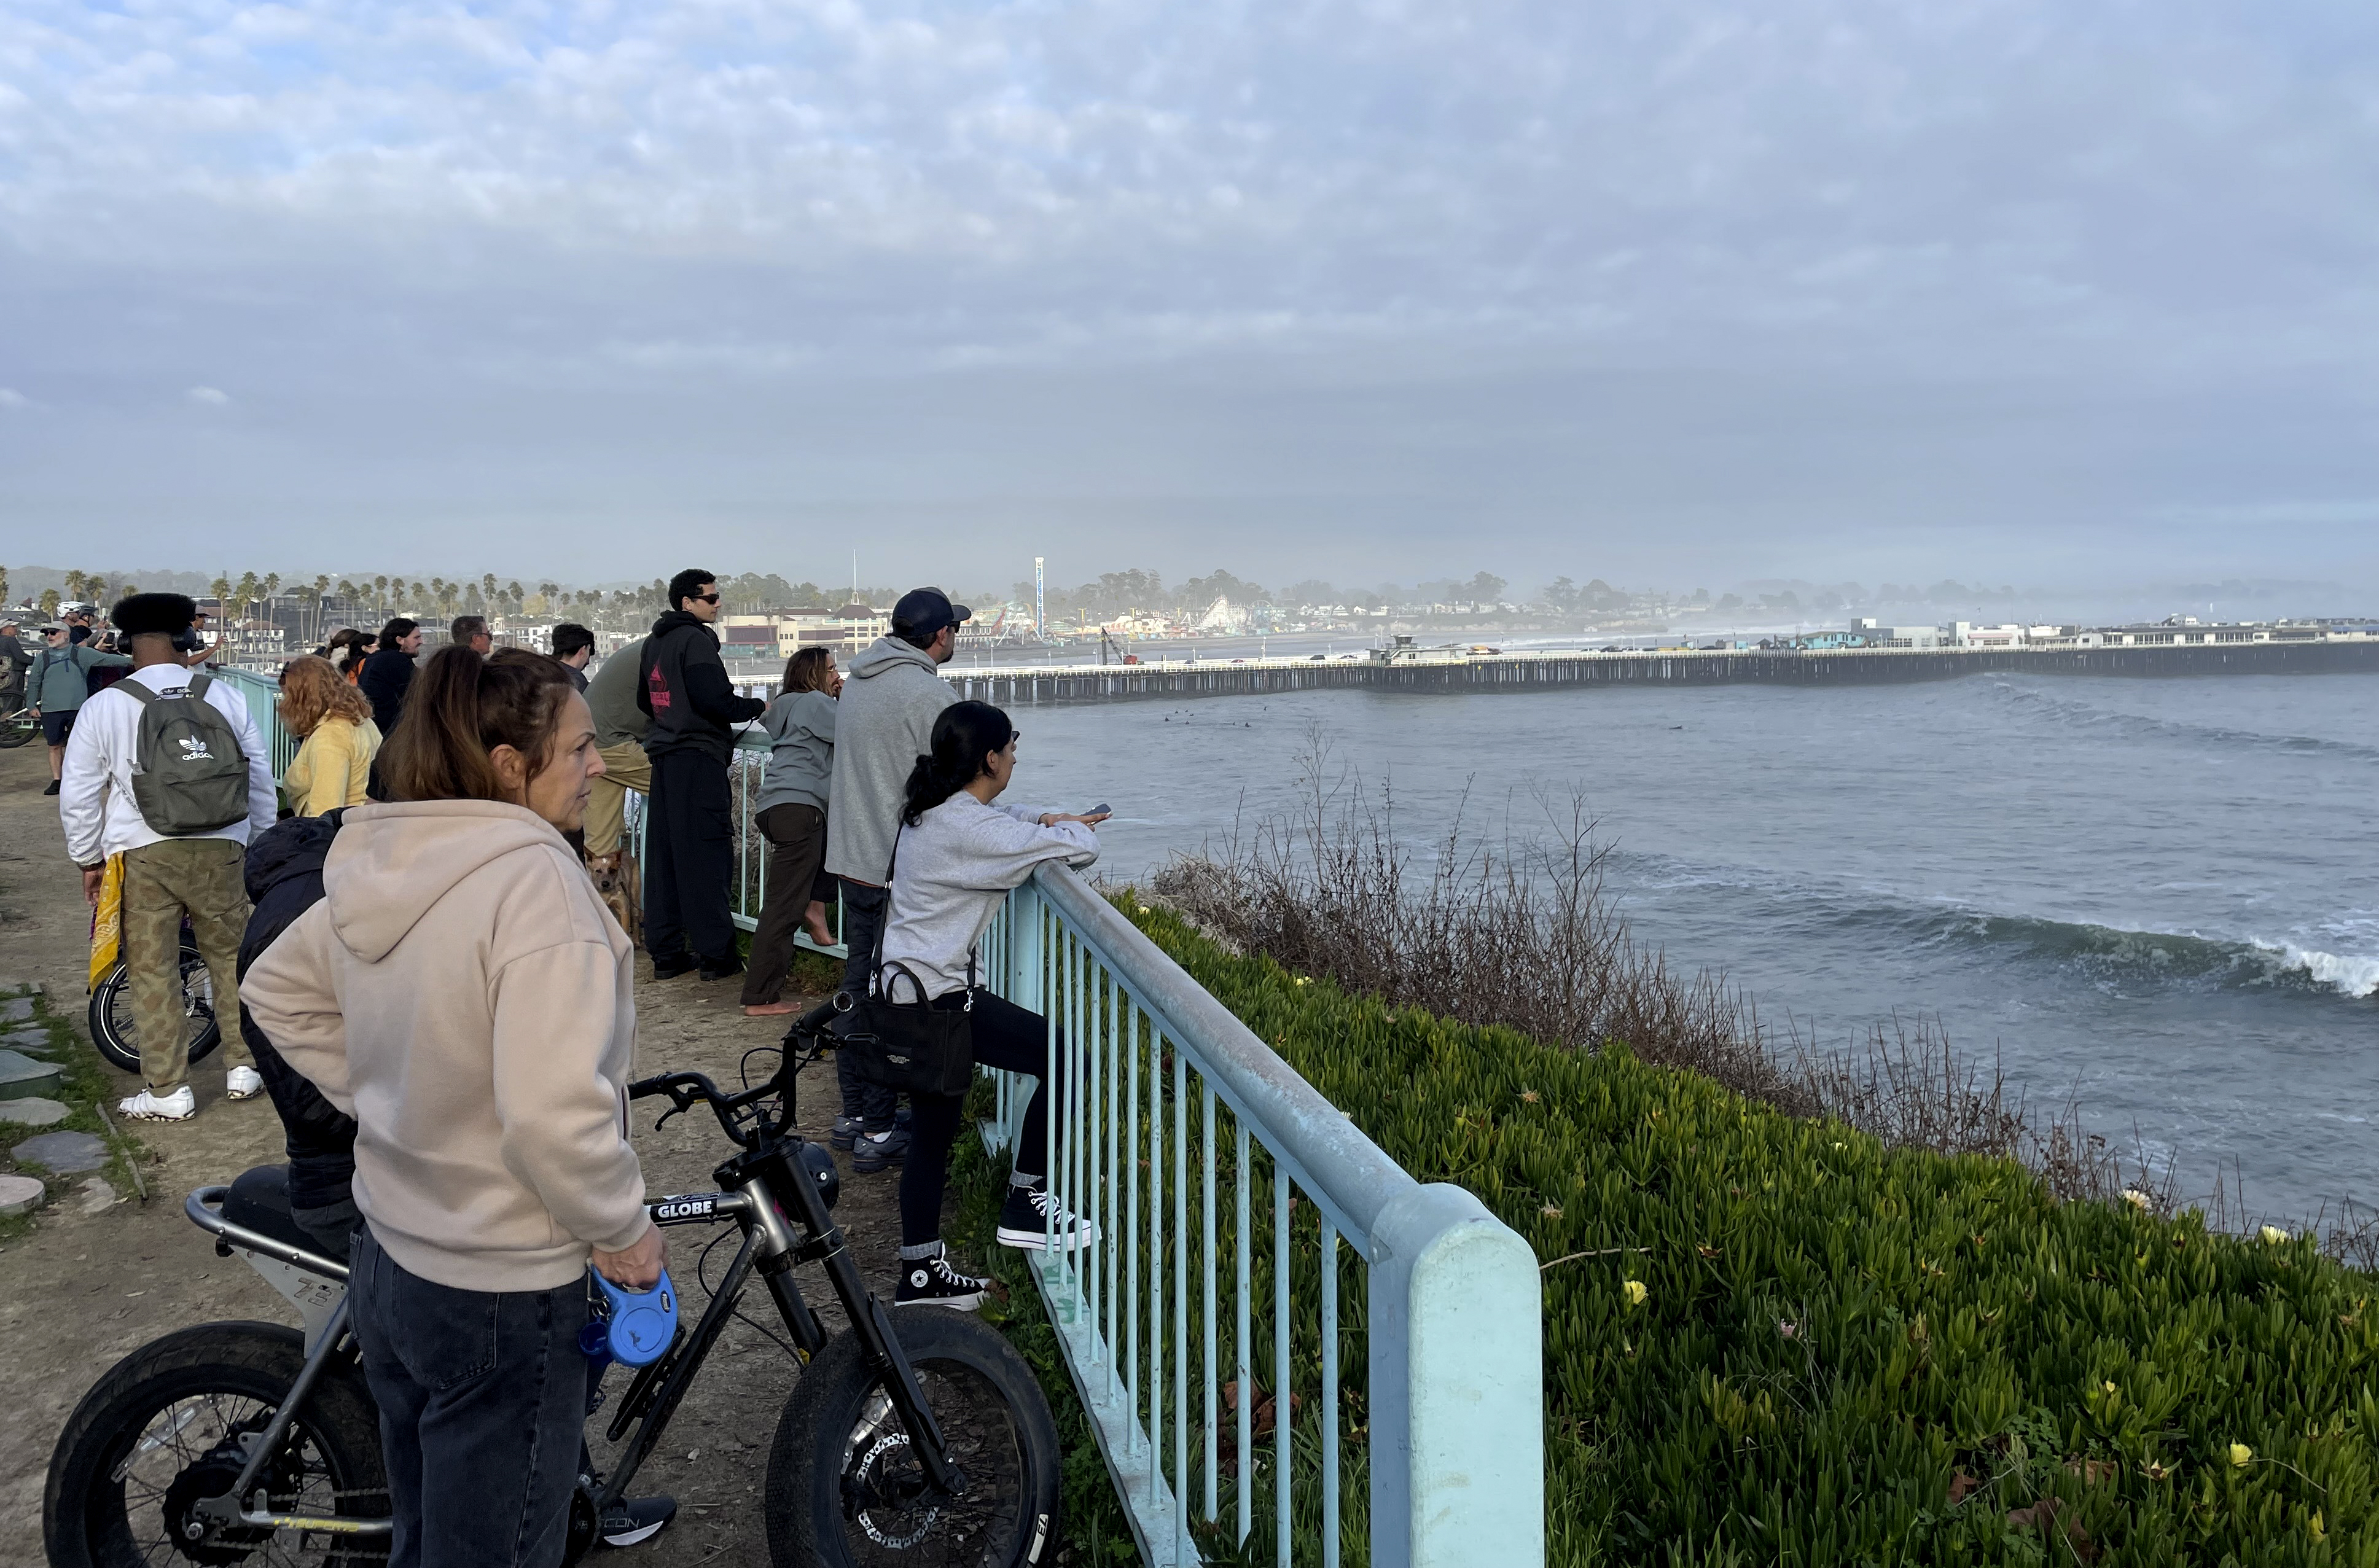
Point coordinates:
pixel 1008 1038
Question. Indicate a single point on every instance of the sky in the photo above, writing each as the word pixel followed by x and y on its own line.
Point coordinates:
pixel 2054 291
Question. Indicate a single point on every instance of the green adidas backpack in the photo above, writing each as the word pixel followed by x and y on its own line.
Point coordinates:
pixel 189 774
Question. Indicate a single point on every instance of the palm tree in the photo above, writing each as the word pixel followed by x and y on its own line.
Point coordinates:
pixel 487 586
pixel 75 585
pixel 380 596
pixel 49 603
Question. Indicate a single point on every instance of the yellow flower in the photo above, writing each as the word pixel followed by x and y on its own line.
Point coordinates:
pixel 2109 1388
pixel 1305 980
pixel 2136 1199
pixel 2241 1455
pixel 1144 909
pixel 2274 1234
pixel 1637 1294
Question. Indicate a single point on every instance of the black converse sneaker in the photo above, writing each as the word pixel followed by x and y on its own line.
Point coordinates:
pixel 1035 1221
pixel 931 1282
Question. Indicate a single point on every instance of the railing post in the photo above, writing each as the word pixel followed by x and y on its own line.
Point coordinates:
pixel 1457 1368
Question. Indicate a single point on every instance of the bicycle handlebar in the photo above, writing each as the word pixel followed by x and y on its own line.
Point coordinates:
pixel 687 1090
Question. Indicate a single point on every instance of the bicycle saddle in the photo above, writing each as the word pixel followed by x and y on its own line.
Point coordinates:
pixel 259 1200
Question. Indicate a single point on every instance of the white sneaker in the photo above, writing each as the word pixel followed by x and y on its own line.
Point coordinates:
pixel 243 1083
pixel 178 1107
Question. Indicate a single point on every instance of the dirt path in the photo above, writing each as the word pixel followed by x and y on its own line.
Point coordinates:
pixel 79 1291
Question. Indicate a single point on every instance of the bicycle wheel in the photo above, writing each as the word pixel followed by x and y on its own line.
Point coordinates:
pixel 844 1491
pixel 165 1428
pixel 17 727
pixel 118 1038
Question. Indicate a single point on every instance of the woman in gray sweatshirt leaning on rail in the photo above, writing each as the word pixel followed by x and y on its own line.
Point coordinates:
pixel 955 858
pixel 792 810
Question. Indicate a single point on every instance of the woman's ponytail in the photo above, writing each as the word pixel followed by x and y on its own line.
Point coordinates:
pixel 458 710
pixel 964 735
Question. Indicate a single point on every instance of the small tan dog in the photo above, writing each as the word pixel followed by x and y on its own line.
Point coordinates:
pixel 621 886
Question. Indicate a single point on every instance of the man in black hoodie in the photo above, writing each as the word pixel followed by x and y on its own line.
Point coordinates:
pixel 284 880
pixel 689 821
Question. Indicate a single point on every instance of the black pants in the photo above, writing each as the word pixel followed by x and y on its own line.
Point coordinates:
pixel 863 918
pixel 1008 1038
pixel 689 855
pixel 481 1399
pixel 797 879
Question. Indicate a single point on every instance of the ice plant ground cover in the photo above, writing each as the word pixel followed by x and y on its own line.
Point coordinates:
pixel 1774 1339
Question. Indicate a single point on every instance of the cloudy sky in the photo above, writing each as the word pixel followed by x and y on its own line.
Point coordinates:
pixel 1665 291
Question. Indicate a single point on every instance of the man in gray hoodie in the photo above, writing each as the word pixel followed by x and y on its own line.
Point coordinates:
pixel 893 692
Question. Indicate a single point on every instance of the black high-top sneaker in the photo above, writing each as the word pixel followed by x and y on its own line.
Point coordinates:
pixel 931 1282
pixel 1035 1221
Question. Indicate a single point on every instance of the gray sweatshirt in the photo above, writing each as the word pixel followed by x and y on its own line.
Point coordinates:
pixel 801 751
pixel 884 722
pixel 955 867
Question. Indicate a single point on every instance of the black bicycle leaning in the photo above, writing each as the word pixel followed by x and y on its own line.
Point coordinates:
pixel 917 1436
pixel 117 1034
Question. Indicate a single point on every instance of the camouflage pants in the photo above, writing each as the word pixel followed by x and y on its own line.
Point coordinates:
pixel 625 768
pixel 161 881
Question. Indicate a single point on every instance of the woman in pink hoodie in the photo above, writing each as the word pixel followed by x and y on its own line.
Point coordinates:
pixel 462 994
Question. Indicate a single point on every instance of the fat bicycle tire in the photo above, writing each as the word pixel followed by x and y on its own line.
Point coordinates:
pixel 110 1013
pixel 179 1392
pixel 17 727
pixel 838 1438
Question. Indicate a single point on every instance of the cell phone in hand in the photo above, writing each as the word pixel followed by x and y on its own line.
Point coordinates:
pixel 1102 809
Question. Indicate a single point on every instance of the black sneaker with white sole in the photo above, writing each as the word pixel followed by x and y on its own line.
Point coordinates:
pixel 1036 1222
pixel 636 1519
pixel 931 1282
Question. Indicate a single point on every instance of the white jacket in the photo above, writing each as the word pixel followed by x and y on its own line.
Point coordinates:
pixel 95 799
pixel 949 875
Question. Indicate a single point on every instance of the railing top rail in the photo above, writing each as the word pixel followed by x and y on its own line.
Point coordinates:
pixel 1330 1159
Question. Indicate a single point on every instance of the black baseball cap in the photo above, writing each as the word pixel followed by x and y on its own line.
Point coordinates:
pixel 923 611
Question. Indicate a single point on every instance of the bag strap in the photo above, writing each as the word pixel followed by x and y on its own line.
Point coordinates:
pixel 876 959
pixel 139 691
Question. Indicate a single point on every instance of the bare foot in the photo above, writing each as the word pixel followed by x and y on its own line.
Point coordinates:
pixel 814 922
pixel 769 1009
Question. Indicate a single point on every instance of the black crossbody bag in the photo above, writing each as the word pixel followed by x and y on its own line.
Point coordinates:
pixel 913 1046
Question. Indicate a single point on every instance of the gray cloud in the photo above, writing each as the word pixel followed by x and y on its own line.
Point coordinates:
pixel 1804 286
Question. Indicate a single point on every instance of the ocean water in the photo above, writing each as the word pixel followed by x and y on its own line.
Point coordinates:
pixel 2159 896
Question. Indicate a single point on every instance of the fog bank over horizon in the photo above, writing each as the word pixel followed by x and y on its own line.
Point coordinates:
pixel 2067 295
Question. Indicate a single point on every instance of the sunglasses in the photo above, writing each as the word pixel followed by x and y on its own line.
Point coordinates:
pixel 707 598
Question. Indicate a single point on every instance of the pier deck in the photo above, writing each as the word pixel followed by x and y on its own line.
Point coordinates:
pixel 1435 673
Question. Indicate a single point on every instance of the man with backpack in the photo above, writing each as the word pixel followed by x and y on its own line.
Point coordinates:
pixel 166 769
pixel 60 684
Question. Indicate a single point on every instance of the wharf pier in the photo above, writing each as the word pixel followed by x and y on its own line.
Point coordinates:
pixel 1434 673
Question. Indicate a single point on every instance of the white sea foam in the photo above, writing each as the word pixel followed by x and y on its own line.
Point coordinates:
pixel 2356 976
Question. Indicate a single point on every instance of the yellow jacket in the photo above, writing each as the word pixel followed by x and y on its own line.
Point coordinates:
pixel 329 770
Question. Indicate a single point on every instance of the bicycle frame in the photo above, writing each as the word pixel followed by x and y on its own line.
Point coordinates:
pixel 755 1185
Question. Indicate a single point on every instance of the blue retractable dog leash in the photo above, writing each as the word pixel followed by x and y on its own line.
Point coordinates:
pixel 641 1322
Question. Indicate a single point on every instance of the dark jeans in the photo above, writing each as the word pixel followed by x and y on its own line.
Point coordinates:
pixel 333 1227
pixel 689 855
pixel 1008 1038
pixel 481 1398
pixel 862 918
pixel 796 836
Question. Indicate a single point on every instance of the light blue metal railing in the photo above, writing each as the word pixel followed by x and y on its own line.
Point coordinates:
pixel 1192 1146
